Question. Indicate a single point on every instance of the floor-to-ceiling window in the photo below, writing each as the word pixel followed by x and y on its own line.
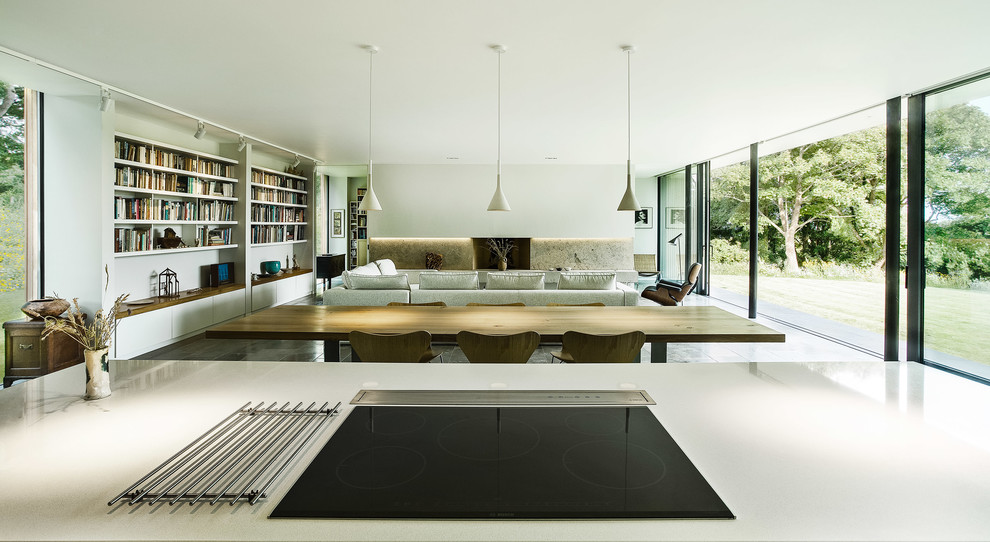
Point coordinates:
pixel 821 208
pixel 12 208
pixel 729 227
pixel 957 227
pixel 671 221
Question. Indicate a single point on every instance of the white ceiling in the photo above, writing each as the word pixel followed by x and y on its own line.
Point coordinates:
pixel 708 77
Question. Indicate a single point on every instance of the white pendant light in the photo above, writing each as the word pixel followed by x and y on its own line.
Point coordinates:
pixel 629 201
pixel 499 203
pixel 370 201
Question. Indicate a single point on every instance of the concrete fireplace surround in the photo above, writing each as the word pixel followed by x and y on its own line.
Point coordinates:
pixel 463 253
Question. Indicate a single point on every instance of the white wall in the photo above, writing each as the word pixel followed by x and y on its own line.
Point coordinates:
pixel 547 201
pixel 77 232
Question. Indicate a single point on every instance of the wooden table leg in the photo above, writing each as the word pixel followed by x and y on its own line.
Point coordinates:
pixel 658 352
pixel 331 350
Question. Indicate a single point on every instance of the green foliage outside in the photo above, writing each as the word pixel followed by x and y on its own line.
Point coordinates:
pixel 821 216
pixel 11 203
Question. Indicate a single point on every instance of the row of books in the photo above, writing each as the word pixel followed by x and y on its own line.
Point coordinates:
pixel 138 240
pixel 171 182
pixel 146 154
pixel 277 234
pixel 277 196
pixel 274 179
pixel 154 209
pixel 211 237
pixel 131 240
pixel 274 213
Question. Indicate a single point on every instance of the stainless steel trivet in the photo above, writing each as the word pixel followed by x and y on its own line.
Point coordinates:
pixel 232 460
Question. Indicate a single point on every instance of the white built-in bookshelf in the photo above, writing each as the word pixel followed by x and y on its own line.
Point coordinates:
pixel 278 207
pixel 159 186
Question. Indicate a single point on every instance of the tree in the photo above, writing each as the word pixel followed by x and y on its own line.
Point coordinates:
pixel 11 143
pixel 836 184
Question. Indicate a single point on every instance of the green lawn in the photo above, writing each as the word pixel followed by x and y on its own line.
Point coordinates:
pixel 955 320
pixel 10 309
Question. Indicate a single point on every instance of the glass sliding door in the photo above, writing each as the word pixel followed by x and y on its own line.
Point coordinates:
pixel 671 220
pixel 821 210
pixel 728 246
pixel 956 296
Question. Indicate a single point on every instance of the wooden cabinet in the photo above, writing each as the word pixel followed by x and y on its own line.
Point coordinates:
pixel 27 356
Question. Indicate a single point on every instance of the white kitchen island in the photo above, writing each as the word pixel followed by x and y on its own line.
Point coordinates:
pixel 826 451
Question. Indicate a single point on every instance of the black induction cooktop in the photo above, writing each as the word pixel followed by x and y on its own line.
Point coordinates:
pixel 501 462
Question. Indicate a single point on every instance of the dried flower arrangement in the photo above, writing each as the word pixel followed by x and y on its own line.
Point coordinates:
pixel 94 336
pixel 501 247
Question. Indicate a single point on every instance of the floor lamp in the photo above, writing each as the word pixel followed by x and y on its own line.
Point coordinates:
pixel 676 241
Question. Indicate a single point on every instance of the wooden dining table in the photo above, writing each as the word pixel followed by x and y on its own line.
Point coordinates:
pixel 332 324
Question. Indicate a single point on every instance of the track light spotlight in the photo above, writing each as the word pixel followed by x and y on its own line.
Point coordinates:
pixel 241 143
pixel 200 130
pixel 105 100
pixel 297 162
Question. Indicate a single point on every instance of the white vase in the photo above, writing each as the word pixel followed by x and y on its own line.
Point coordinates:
pixel 97 373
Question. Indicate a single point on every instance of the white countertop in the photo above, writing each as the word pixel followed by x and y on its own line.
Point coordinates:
pixel 798 451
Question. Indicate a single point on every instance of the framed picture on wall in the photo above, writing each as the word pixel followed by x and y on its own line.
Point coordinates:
pixel 337 223
pixel 675 217
pixel 644 217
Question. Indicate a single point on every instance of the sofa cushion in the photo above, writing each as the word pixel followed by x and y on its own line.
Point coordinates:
pixel 379 282
pixel 366 269
pixel 448 280
pixel 386 267
pixel 515 281
pixel 338 295
pixel 586 281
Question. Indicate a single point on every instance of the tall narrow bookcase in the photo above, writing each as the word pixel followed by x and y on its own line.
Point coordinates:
pixel 159 187
pixel 358 221
pixel 278 207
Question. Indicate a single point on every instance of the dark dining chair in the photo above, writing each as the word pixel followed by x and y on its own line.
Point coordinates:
pixel 577 347
pixel 413 347
pixel 484 348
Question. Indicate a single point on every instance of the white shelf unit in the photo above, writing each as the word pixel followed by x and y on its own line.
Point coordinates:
pixel 159 186
pixel 279 207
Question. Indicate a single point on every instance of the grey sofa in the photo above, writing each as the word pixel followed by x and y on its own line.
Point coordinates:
pixel 379 283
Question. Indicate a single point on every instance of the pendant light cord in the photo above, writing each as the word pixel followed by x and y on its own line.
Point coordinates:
pixel 628 107
pixel 371 101
pixel 498 124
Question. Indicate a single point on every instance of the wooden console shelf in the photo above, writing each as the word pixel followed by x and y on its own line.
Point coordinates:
pixel 284 274
pixel 184 296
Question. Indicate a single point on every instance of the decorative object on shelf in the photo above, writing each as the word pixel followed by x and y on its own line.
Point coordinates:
pixel 370 201
pixel 95 339
pixel 629 201
pixel 295 265
pixel 271 267
pixel 170 240
pixel 500 249
pixel 337 223
pixel 287 266
pixel 499 203
pixel 168 283
pixel 221 273
pixel 434 260
pixel 39 309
